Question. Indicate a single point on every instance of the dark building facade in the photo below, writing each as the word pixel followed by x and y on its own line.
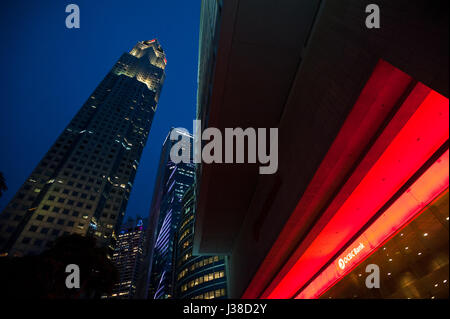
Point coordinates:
pixel 197 277
pixel 362 116
pixel 173 180
pixel 128 259
pixel 83 183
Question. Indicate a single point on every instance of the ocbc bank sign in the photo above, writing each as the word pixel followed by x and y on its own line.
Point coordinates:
pixel 342 262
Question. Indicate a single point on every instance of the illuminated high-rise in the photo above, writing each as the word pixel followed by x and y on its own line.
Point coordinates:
pixel 128 259
pixel 197 276
pixel 83 183
pixel 173 180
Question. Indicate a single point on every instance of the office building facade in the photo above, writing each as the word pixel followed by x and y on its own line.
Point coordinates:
pixel 173 180
pixel 197 276
pixel 83 183
pixel 128 259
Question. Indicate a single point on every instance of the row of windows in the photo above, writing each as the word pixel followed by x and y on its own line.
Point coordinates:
pixel 190 218
pixel 185 233
pixel 75 213
pixel 199 264
pixel 101 159
pixel 118 198
pixel 50 220
pixel 89 171
pixel 69 202
pixel 72 183
pixel 211 294
pixel 202 279
pixel 73 193
pixel 39 242
pixel 66 211
pixel 90 181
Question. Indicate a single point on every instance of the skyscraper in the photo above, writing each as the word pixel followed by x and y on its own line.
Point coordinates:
pixel 172 182
pixel 83 183
pixel 128 259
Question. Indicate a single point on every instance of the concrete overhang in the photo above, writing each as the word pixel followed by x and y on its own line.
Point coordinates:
pixel 299 66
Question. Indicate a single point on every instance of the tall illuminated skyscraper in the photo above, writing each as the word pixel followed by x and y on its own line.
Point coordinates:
pixel 83 183
pixel 128 259
pixel 172 182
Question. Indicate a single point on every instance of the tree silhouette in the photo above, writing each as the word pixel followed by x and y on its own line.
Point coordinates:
pixel 44 276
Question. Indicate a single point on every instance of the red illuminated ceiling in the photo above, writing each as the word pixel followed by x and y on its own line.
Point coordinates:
pixel 432 183
pixel 408 144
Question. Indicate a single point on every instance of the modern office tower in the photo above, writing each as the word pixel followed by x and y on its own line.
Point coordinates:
pixel 172 182
pixel 128 259
pixel 197 277
pixel 83 183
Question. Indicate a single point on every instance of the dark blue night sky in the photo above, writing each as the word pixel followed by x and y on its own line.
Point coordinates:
pixel 48 71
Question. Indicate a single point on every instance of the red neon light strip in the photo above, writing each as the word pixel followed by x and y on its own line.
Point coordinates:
pixel 379 96
pixel 432 183
pixel 422 135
